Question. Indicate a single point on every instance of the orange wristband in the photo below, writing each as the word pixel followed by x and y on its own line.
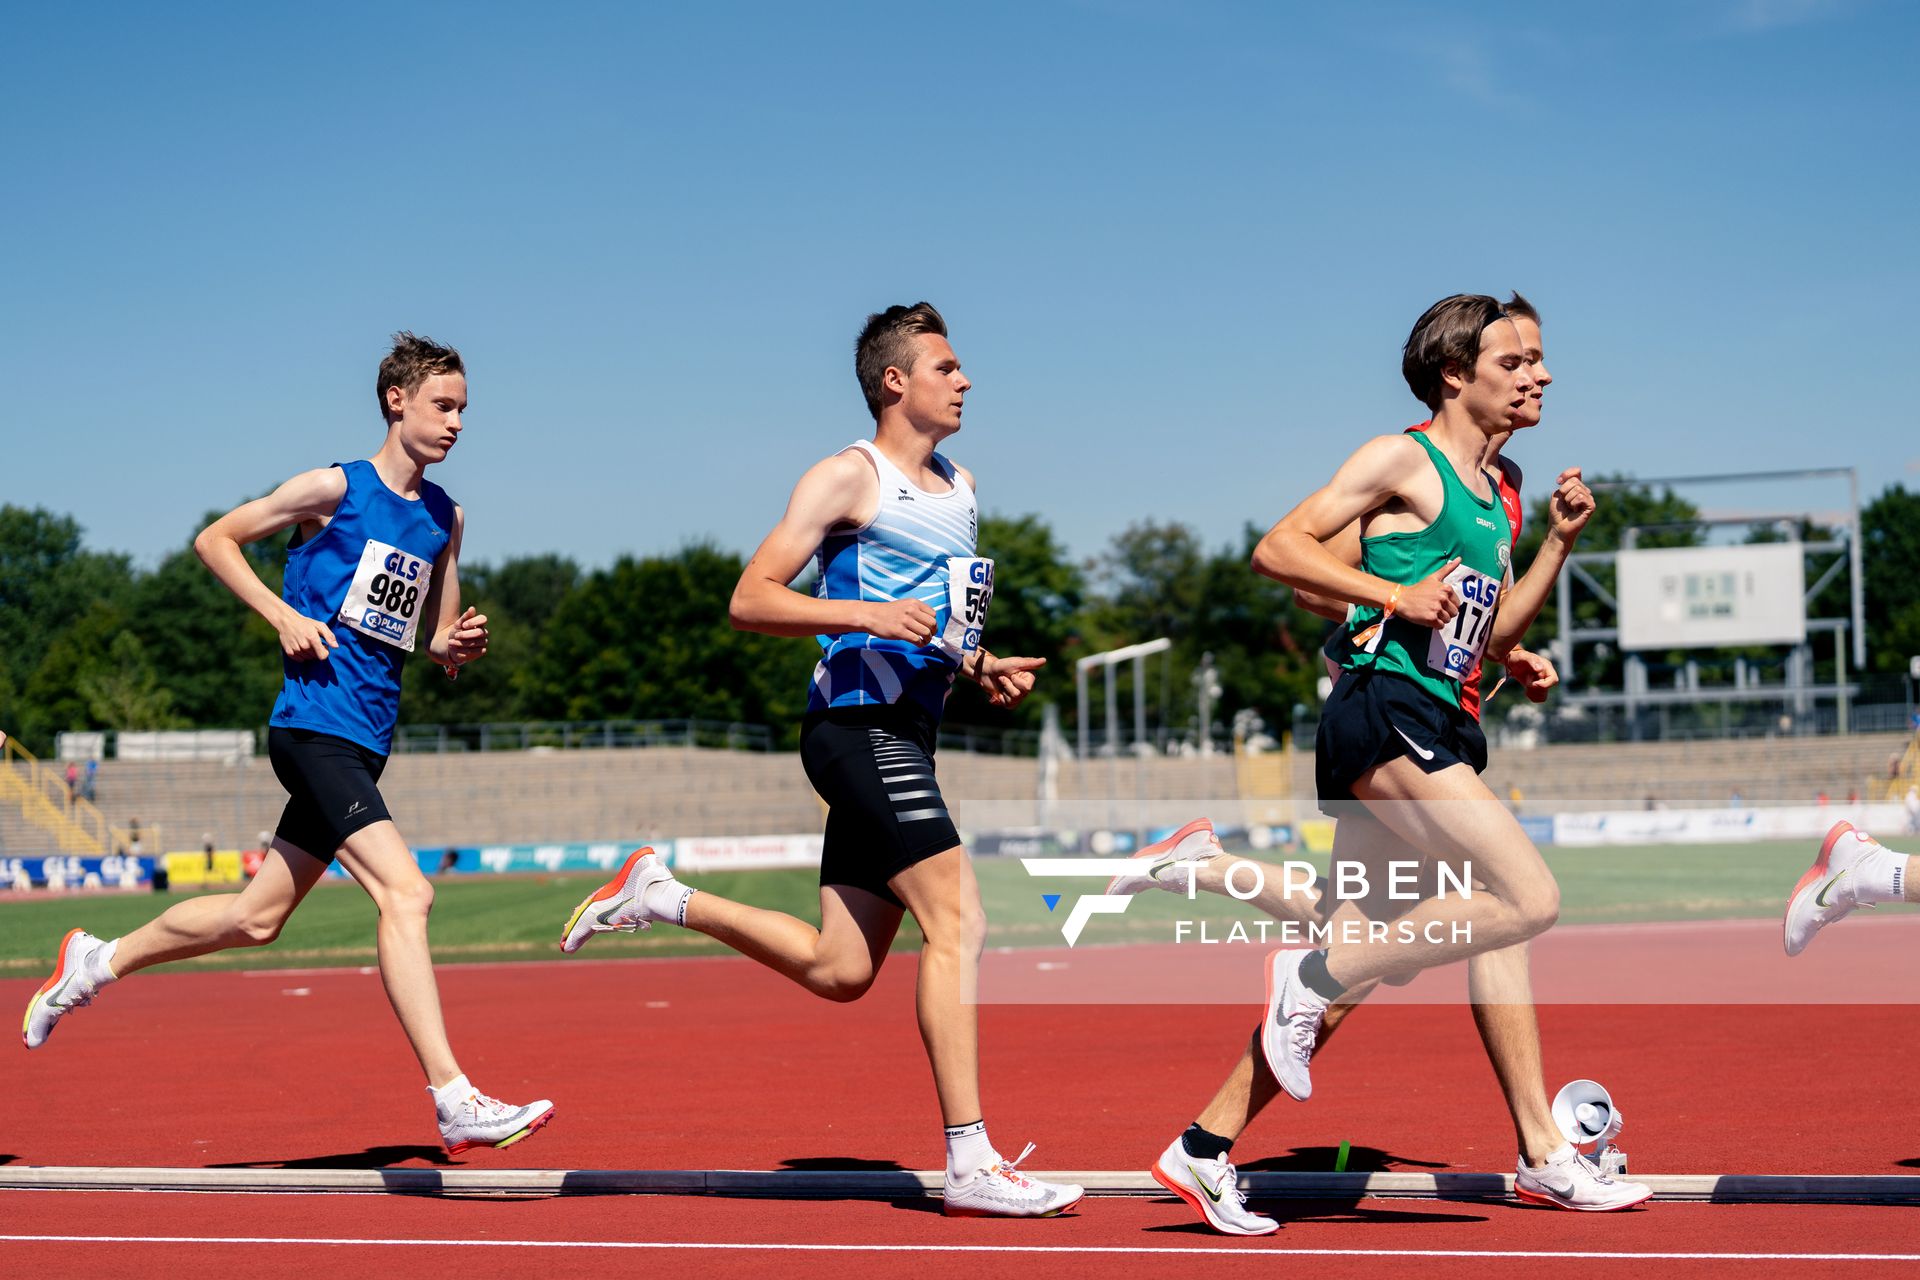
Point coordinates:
pixel 1393 602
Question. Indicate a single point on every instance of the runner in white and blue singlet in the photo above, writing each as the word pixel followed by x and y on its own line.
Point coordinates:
pixel 372 574
pixel 898 611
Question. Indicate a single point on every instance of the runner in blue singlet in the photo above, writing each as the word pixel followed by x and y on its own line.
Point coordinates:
pixel 898 612
pixel 372 575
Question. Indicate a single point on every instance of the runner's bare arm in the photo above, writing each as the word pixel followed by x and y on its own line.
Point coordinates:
pixel 309 496
pixel 1568 511
pixel 1346 545
pixel 1294 550
pixel 458 636
pixel 840 492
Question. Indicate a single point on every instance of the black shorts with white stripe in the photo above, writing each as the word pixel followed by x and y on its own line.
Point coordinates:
pixel 873 765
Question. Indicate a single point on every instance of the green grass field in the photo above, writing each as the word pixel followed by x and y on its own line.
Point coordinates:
pixel 496 918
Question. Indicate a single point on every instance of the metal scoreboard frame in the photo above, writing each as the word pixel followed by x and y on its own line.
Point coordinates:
pixel 1848 632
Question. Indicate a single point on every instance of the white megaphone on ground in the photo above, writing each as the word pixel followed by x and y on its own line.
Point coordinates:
pixel 1586 1114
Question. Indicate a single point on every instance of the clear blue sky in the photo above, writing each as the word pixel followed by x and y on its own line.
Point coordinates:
pixel 1179 244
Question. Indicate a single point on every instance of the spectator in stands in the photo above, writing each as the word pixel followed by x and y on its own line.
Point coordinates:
pixel 87 781
pixel 449 861
pixel 1514 798
pixel 1853 795
pixel 1821 798
pixel 252 859
pixel 73 781
pixel 133 836
pixel 1735 800
pixel 1913 811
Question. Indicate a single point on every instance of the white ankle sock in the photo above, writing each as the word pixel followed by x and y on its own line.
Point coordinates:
pixel 100 965
pixel 452 1092
pixel 968 1150
pixel 1880 875
pixel 668 898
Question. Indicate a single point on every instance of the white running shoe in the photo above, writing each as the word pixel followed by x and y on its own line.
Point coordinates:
pixel 1571 1181
pixel 1212 1187
pixel 1826 892
pixel 1001 1191
pixel 1292 1024
pixel 1159 862
pixel 72 986
pixel 619 904
pixel 480 1121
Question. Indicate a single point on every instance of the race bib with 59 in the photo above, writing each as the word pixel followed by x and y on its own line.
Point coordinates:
pixel 1455 649
pixel 969 592
pixel 388 591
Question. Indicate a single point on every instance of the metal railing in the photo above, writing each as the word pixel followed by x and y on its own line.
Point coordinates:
pixel 580 735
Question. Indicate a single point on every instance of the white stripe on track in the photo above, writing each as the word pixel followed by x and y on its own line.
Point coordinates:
pixel 1217 1251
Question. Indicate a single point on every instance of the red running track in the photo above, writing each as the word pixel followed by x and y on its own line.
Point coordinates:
pixel 719 1064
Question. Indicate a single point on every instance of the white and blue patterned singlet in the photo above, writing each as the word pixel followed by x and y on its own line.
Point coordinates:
pixel 902 553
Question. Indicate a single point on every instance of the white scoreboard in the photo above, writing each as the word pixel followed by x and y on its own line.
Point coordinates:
pixel 1705 597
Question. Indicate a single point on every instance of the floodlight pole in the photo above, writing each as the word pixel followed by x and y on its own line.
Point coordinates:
pixel 1135 653
pixel 1109 661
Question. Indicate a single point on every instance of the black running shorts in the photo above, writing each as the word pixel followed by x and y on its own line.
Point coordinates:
pixel 873 766
pixel 332 789
pixel 1375 716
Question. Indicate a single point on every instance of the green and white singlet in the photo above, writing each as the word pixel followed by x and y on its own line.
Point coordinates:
pixel 1474 530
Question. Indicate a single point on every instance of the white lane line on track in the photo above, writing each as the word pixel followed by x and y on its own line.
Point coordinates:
pixel 1628 927
pixel 1250 1250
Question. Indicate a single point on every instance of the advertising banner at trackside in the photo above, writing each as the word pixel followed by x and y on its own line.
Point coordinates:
pixel 741 853
pixel 1719 826
pixel 699 853
pixel 114 872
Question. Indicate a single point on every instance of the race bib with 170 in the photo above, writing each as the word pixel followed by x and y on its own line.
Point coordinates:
pixel 969 592
pixel 388 590
pixel 1455 649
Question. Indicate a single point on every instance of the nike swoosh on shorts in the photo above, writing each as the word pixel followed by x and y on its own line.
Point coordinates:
pixel 1423 752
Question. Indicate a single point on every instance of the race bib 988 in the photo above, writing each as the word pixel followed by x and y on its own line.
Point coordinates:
pixel 1455 649
pixel 388 591
pixel 969 592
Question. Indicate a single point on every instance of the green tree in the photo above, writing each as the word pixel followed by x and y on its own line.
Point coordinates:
pixel 1890 556
pixel 520 600
pixel 122 690
pixel 219 661
pixel 48 582
pixel 1037 594
pixel 649 638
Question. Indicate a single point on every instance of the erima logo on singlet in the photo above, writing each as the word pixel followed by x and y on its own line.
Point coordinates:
pixel 905 496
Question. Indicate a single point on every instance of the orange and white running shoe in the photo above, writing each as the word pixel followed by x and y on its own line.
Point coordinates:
pixel 1001 1191
pixel 1162 863
pixel 1212 1187
pixel 475 1120
pixel 1568 1180
pixel 620 904
pixel 75 982
pixel 1827 892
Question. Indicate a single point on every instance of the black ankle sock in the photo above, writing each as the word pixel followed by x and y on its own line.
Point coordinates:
pixel 1313 972
pixel 1202 1145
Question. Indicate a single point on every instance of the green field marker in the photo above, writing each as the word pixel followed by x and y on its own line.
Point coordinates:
pixel 1340 1161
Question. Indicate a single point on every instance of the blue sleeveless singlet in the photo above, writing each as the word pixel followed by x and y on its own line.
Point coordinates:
pixel 366 577
pixel 904 552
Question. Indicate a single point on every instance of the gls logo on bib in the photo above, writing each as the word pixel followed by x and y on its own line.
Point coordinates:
pixel 384 600
pixel 969 593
